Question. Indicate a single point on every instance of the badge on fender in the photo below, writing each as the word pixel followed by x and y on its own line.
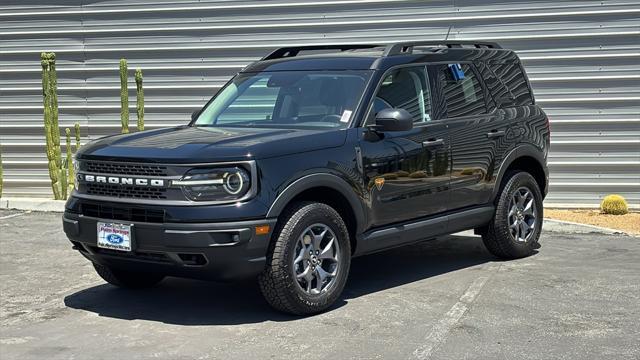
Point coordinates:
pixel 379 183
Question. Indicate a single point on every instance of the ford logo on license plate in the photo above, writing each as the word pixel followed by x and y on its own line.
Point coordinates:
pixel 115 239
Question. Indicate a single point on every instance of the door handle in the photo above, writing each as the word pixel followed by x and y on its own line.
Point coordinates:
pixel 495 134
pixel 431 143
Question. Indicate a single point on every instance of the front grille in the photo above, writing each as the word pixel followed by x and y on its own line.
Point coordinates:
pixel 123 191
pixel 124 169
pixel 122 213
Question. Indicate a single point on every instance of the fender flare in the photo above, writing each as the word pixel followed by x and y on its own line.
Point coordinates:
pixel 319 180
pixel 521 150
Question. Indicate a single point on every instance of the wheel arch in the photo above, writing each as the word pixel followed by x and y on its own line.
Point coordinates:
pixel 328 189
pixel 526 158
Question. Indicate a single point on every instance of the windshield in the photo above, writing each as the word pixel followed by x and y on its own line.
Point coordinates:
pixel 287 99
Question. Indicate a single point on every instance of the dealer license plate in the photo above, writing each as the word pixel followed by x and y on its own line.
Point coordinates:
pixel 114 236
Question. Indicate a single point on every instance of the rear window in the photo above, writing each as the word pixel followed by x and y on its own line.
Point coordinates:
pixel 507 83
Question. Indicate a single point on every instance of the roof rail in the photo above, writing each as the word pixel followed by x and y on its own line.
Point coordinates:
pixel 407 47
pixel 389 49
pixel 294 50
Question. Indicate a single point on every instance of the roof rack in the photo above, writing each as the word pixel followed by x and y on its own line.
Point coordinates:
pixel 407 47
pixel 294 50
pixel 389 49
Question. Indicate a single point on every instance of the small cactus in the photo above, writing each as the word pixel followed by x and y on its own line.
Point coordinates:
pixel 76 127
pixel 124 97
pixel 139 100
pixel 614 205
pixel 70 169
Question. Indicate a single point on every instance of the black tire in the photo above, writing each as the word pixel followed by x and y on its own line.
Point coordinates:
pixel 278 282
pixel 497 236
pixel 127 279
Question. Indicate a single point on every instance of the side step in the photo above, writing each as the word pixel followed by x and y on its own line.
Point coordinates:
pixel 423 229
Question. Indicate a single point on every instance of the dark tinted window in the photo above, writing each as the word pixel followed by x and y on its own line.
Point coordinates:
pixel 405 88
pixel 507 83
pixel 463 96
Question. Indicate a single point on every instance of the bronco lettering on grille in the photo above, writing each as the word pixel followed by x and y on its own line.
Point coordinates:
pixel 117 180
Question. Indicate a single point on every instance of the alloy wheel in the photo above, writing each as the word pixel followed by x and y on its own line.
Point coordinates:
pixel 316 262
pixel 522 215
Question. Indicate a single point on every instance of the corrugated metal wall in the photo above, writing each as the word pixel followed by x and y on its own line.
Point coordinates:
pixel 583 58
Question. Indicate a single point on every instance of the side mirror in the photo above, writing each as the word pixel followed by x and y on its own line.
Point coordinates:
pixel 394 120
pixel 194 114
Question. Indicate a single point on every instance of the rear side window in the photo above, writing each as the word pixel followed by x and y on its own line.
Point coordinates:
pixel 463 96
pixel 507 83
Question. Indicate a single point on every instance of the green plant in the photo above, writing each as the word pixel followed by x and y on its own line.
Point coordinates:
pixel 51 128
pixel 139 100
pixel 69 163
pixel 76 128
pixel 1 176
pixel 124 97
pixel 614 205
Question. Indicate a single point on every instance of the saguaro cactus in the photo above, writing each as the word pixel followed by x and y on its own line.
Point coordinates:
pixel 76 127
pixel 124 97
pixel 51 128
pixel 70 170
pixel 1 177
pixel 139 100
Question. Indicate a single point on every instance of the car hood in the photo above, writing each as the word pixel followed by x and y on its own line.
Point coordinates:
pixel 186 144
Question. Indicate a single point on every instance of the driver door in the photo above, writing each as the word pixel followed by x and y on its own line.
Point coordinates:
pixel 406 173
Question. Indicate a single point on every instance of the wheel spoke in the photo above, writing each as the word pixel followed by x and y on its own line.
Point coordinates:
pixel 305 274
pixel 302 254
pixel 317 239
pixel 528 208
pixel 327 252
pixel 523 231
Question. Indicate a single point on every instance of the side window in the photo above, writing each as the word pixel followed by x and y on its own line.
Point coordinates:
pixel 511 76
pixel 405 88
pixel 463 95
pixel 244 108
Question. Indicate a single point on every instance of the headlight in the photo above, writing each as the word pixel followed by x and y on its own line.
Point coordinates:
pixel 216 184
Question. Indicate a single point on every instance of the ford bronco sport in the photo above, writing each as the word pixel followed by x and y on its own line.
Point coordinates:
pixel 314 155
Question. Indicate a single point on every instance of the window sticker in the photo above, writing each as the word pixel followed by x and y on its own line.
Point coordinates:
pixel 346 115
pixel 456 72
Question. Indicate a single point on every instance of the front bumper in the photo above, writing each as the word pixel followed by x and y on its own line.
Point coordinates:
pixel 212 251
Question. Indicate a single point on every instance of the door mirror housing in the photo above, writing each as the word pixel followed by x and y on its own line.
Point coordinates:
pixel 393 120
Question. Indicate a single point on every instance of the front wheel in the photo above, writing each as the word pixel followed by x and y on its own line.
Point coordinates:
pixel 515 228
pixel 308 261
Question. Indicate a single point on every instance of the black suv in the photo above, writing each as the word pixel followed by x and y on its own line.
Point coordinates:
pixel 302 162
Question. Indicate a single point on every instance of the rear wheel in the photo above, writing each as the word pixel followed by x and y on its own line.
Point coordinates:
pixel 127 279
pixel 515 228
pixel 308 261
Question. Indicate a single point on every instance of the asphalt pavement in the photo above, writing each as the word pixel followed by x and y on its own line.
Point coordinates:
pixel 577 298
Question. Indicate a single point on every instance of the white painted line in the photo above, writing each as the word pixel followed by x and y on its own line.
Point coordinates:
pixel 14 215
pixel 451 318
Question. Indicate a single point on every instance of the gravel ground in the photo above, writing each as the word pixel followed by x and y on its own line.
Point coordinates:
pixel 629 223
pixel 443 299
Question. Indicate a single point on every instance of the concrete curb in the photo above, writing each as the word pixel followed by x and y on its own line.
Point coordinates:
pixel 32 204
pixel 578 228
